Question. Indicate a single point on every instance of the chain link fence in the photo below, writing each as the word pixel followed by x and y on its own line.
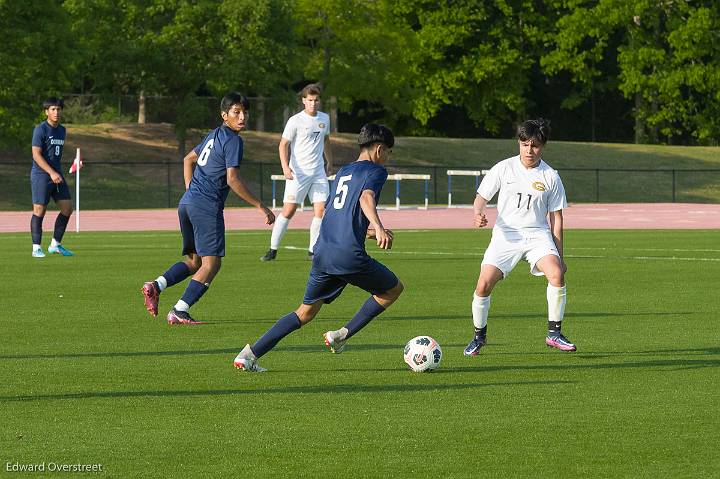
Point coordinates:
pixel 158 184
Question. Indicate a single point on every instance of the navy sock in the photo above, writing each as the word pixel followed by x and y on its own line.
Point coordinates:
pixel 61 223
pixel 284 326
pixel 176 273
pixel 367 312
pixel 193 292
pixel 36 228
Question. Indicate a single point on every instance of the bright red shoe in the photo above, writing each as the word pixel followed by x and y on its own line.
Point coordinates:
pixel 152 297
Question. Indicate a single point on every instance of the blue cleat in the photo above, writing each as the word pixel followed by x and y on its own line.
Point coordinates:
pixel 558 341
pixel 60 249
pixel 473 349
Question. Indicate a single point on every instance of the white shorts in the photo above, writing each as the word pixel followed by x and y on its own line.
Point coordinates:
pixel 315 187
pixel 507 249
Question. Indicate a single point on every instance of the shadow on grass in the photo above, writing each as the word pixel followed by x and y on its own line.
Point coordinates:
pixel 319 389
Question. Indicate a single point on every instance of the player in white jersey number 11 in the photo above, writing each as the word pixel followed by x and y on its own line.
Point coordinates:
pixel 529 226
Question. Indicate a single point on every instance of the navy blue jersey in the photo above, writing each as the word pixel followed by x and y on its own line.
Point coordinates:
pixel 51 141
pixel 340 248
pixel 221 149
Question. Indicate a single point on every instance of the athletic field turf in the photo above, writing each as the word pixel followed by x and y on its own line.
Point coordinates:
pixel 88 377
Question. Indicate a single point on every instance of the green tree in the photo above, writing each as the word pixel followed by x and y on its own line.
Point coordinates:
pixel 475 55
pixel 665 54
pixel 36 61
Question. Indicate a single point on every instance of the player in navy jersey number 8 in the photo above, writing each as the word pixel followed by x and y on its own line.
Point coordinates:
pixel 47 180
pixel 201 208
pixel 530 193
pixel 340 258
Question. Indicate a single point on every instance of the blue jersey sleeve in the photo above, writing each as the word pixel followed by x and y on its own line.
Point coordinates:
pixel 375 180
pixel 38 138
pixel 233 151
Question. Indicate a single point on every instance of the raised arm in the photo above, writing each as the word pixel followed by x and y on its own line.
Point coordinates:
pixel 188 163
pixel 368 206
pixel 479 209
pixel 236 183
pixel 37 156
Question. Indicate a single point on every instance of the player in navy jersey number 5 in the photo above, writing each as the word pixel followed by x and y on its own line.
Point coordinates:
pixel 201 208
pixel 340 258
pixel 47 180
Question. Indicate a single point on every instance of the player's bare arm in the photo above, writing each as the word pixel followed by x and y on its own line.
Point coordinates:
pixel 479 211
pixel 556 227
pixel 284 151
pixel 236 183
pixel 37 156
pixel 327 152
pixel 383 237
pixel 188 163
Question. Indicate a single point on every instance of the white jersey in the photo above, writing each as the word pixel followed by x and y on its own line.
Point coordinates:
pixel 306 135
pixel 526 196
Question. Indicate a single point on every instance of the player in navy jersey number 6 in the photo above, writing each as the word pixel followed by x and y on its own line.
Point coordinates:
pixel 340 258
pixel 201 208
pixel 47 180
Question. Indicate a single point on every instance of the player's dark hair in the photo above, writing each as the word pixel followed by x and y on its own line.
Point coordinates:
pixel 234 98
pixel 372 133
pixel 311 89
pixel 53 101
pixel 538 130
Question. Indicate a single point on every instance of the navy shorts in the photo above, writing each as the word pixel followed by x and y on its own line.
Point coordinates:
pixel 375 278
pixel 203 232
pixel 43 189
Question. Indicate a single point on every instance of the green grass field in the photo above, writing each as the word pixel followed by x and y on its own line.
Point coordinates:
pixel 88 377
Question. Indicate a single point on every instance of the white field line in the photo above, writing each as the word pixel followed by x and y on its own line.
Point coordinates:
pixel 638 258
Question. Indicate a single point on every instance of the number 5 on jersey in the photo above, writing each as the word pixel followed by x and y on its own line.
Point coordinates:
pixel 341 192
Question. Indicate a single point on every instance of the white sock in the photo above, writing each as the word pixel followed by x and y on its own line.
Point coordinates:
pixel 314 232
pixel 278 231
pixel 181 306
pixel 480 310
pixel 36 247
pixel 162 283
pixel 556 298
pixel 54 243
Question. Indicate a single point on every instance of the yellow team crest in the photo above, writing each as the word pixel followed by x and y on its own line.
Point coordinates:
pixel 538 186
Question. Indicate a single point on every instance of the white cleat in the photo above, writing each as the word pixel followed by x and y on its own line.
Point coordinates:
pixel 246 361
pixel 38 253
pixel 335 340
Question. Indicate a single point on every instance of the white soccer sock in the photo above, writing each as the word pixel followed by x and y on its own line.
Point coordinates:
pixel 36 247
pixel 278 231
pixel 556 298
pixel 54 243
pixel 182 306
pixel 162 283
pixel 480 310
pixel 314 232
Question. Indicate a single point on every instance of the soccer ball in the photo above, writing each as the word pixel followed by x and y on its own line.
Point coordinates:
pixel 422 353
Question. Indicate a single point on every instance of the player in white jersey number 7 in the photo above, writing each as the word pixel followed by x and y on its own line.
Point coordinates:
pixel 529 226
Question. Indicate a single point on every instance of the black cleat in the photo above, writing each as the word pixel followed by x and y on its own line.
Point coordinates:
pixel 270 255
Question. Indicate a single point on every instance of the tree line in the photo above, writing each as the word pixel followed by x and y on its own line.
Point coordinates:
pixel 646 71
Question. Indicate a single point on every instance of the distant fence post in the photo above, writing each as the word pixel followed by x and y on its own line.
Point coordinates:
pixel 673 185
pixel 597 185
pixel 260 180
pixel 167 164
